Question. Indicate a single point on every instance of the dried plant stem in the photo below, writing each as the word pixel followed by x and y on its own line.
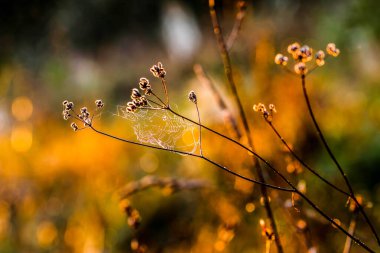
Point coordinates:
pixel 203 78
pixel 351 230
pixel 237 25
pixel 163 81
pixel 154 181
pixel 159 99
pixel 200 130
pixel 320 134
pixel 268 243
pixel 194 155
pixel 228 71
pixel 309 201
pixel 302 162
pixel 293 188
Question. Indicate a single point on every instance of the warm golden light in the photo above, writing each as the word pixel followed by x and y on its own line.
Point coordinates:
pixel 46 233
pixel 22 108
pixel 21 138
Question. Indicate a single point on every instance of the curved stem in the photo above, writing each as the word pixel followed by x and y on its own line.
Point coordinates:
pixel 320 134
pixel 165 90
pixel 242 5
pixel 194 155
pixel 200 130
pixel 283 178
pixel 163 104
pixel 303 163
pixel 228 72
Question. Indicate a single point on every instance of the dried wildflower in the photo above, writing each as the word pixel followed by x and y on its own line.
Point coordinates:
pixel 99 103
pixel 74 126
pixel 139 102
pixel 83 110
pixel 131 107
pixel 320 58
pixel 305 53
pixel 272 108
pixel 268 115
pixel 293 49
pixel 144 84
pixel 135 94
pixel 332 50
pixel 300 68
pixel 259 108
pixel 66 114
pixel 68 105
pixel 158 70
pixel 281 59
pixel 193 97
pixel 84 116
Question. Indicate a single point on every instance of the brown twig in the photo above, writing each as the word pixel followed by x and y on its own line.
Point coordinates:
pixel 309 201
pixel 321 136
pixel 205 80
pixel 242 6
pixel 153 181
pixel 302 162
pixel 228 71
pixel 351 230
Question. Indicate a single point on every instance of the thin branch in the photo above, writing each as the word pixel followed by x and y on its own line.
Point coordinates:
pixel 310 202
pixel 200 129
pixel 203 78
pixel 242 6
pixel 163 104
pixel 228 71
pixel 320 134
pixel 302 162
pixel 163 81
pixel 351 230
pixel 194 155
pixel 154 181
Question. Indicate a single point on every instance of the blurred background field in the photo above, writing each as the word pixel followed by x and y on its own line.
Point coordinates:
pixel 59 189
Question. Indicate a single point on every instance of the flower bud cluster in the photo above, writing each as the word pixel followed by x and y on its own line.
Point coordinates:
pixel 304 54
pixel 267 114
pixel 138 101
pixel 158 70
pixel 83 115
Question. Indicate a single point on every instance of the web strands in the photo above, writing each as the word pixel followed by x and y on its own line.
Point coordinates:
pixel 162 128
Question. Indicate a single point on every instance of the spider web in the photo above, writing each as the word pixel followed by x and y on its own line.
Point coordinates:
pixel 162 128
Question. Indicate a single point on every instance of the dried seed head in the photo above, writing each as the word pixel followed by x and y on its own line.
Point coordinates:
pixel 320 58
pixel 68 105
pixel 158 70
pixel 281 59
pixel 305 53
pixel 66 114
pixel 260 107
pixel 332 50
pixel 300 68
pixel 135 94
pixel 74 126
pixel 293 49
pixel 144 84
pixel 193 97
pixel 99 103
pixel 131 107
pixel 272 108
pixel 83 110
